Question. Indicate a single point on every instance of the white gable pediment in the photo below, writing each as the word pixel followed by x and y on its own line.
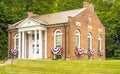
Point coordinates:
pixel 28 23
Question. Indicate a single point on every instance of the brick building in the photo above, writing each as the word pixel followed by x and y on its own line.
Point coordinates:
pixel 72 34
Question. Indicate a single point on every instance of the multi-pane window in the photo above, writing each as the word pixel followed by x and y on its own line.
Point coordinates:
pixel 16 41
pixel 89 41
pixel 58 38
pixel 99 42
pixel 77 38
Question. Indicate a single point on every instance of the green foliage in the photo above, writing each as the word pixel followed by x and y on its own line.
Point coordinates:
pixel 117 53
pixel 108 11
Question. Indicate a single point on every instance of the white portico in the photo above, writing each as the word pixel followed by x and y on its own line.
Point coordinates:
pixel 32 40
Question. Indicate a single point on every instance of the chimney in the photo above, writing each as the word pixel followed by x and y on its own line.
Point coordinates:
pixel 85 4
pixel 88 6
pixel 29 14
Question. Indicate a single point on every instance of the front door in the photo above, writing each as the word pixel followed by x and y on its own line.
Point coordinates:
pixel 31 47
pixel 36 49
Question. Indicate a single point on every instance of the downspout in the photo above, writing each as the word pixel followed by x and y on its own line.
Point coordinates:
pixel 10 45
pixel 65 39
pixel 68 40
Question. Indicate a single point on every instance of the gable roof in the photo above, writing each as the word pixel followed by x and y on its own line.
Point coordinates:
pixel 56 18
pixel 50 19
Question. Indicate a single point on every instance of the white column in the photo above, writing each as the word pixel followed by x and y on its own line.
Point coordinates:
pixel 23 45
pixel 30 47
pixel 45 44
pixel 35 34
pixel 19 49
pixel 40 44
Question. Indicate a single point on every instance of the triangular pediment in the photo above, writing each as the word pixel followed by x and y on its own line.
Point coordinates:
pixel 28 23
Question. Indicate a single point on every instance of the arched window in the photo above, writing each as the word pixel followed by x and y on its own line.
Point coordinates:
pixel 99 42
pixel 16 41
pixel 89 41
pixel 77 38
pixel 58 38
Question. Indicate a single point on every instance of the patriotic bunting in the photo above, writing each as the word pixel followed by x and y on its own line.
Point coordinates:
pixel 91 51
pixel 100 52
pixel 79 50
pixel 56 50
pixel 14 52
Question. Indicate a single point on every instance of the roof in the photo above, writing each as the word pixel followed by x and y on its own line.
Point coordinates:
pixel 54 18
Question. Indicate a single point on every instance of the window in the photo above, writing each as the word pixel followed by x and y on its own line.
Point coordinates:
pixel 89 41
pixel 16 42
pixel 99 42
pixel 58 38
pixel 77 38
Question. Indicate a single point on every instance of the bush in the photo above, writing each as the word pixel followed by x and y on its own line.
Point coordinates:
pixel 117 53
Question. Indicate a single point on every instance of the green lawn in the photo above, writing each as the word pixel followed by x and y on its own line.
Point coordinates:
pixel 1 61
pixel 62 67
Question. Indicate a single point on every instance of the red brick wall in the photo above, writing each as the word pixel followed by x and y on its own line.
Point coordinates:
pixel 84 30
pixel 70 35
pixel 50 40
pixel 11 35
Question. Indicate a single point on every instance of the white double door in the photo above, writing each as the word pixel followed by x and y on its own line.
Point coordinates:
pixel 34 48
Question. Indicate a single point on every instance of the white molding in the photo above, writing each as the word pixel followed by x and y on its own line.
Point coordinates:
pixel 55 37
pixel 23 45
pixel 26 23
pixel 33 28
pixel 90 36
pixel 35 37
pixel 19 50
pixel 40 44
pixel 79 37
pixel 79 12
pixel 45 44
pixel 100 38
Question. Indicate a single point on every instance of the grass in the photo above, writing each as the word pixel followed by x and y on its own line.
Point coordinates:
pixel 1 61
pixel 62 67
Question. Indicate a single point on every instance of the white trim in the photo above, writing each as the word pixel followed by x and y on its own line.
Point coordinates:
pixel 79 12
pixel 22 22
pixel 30 56
pixel 40 44
pixel 55 37
pixel 33 28
pixel 100 38
pixel 23 45
pixel 90 36
pixel 35 37
pixel 25 20
pixel 25 40
pixel 45 44
pixel 77 33
pixel 19 52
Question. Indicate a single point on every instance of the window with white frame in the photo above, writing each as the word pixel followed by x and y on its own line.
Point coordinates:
pixel 16 41
pixel 58 38
pixel 77 38
pixel 89 41
pixel 99 42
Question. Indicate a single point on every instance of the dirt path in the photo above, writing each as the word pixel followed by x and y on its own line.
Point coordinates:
pixel 9 61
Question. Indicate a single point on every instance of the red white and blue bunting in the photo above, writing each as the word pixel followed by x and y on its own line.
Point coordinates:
pixel 79 50
pixel 100 52
pixel 91 52
pixel 56 50
pixel 14 52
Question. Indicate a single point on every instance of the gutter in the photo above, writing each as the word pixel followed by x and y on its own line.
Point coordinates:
pixel 56 24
